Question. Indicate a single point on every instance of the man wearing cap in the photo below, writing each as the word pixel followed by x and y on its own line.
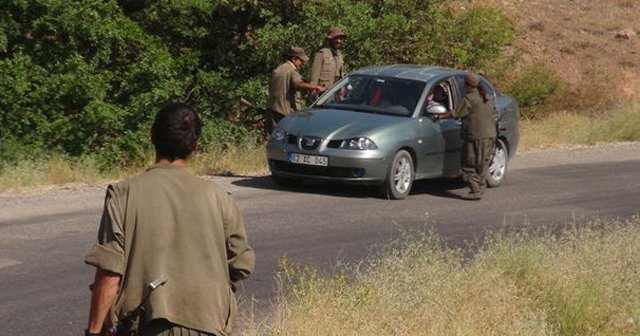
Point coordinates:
pixel 285 82
pixel 478 132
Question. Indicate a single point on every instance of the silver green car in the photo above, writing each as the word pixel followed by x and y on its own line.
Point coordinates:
pixel 376 127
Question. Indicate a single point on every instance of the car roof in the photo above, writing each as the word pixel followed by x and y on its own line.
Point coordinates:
pixel 409 71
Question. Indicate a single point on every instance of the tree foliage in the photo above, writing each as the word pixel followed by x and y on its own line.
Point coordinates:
pixel 86 78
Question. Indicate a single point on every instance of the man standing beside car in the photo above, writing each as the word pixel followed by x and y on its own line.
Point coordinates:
pixel 285 83
pixel 478 133
pixel 328 63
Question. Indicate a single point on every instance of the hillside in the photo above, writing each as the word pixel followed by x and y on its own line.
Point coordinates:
pixel 579 41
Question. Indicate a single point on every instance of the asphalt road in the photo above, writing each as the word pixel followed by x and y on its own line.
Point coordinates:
pixel 44 234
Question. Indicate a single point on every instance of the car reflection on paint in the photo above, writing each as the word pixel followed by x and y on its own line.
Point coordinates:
pixel 376 127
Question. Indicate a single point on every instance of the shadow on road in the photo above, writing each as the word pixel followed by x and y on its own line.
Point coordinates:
pixel 441 187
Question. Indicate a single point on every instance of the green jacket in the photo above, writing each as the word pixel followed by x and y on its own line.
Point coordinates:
pixel 478 121
pixel 326 67
pixel 169 222
pixel 283 88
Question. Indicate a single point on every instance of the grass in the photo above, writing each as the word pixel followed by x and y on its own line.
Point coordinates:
pixel 553 131
pixel 55 170
pixel 242 160
pixel 59 170
pixel 567 129
pixel 582 282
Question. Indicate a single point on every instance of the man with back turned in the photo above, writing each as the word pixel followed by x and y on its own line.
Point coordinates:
pixel 168 222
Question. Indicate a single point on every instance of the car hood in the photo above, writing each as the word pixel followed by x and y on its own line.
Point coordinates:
pixel 338 124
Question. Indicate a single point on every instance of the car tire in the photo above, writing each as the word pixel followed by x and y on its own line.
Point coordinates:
pixel 399 177
pixel 283 182
pixel 498 166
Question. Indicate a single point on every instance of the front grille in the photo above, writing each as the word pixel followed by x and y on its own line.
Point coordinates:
pixel 315 170
pixel 310 143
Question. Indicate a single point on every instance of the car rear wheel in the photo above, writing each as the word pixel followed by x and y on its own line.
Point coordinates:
pixel 400 176
pixel 498 166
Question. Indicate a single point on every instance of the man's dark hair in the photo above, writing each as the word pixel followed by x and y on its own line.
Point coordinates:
pixel 175 131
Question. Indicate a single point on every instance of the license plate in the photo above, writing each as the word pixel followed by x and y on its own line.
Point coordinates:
pixel 314 160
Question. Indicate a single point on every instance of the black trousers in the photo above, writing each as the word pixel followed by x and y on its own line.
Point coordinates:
pixel 162 327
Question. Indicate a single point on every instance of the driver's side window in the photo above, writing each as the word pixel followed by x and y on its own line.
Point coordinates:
pixel 440 94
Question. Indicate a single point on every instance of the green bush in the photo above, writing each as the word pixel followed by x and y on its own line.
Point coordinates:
pixel 218 133
pixel 87 79
pixel 534 90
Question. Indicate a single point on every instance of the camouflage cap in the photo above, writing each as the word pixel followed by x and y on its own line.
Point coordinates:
pixel 472 80
pixel 334 32
pixel 297 52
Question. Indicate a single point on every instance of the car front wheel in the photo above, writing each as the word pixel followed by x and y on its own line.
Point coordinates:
pixel 399 177
pixel 498 167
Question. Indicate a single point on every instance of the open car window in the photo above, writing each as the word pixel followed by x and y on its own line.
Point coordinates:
pixel 440 93
pixel 374 94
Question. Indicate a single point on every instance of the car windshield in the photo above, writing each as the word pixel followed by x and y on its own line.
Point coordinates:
pixel 374 94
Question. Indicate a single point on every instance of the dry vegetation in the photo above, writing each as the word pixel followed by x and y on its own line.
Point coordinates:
pixel 577 40
pixel 583 282
pixel 569 129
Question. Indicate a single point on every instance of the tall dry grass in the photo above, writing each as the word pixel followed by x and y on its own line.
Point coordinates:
pixel 239 160
pixel 567 129
pixel 583 282
pixel 59 170
pixel 55 170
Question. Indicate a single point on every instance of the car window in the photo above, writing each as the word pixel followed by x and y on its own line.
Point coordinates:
pixel 440 94
pixel 375 94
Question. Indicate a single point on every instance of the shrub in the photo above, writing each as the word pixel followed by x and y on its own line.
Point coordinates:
pixel 534 89
pixel 87 79
pixel 220 133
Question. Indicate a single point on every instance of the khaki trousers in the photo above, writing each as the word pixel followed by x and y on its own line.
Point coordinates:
pixel 476 157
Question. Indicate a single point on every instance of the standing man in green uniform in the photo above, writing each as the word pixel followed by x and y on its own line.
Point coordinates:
pixel 284 85
pixel 168 222
pixel 478 132
pixel 328 63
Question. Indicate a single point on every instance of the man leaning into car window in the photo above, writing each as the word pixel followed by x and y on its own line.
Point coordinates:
pixel 285 82
pixel 478 133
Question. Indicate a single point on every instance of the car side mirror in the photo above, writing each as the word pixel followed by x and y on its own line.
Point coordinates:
pixel 436 109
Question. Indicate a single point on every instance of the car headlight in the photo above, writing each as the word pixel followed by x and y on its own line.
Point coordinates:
pixel 278 134
pixel 360 143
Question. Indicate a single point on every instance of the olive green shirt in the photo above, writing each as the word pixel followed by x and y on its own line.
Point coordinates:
pixel 328 65
pixel 283 88
pixel 477 117
pixel 169 222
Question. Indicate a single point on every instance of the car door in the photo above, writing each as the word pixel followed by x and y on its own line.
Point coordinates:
pixel 441 138
pixel 450 129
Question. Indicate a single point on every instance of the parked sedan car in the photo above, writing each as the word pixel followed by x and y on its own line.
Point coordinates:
pixel 376 127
